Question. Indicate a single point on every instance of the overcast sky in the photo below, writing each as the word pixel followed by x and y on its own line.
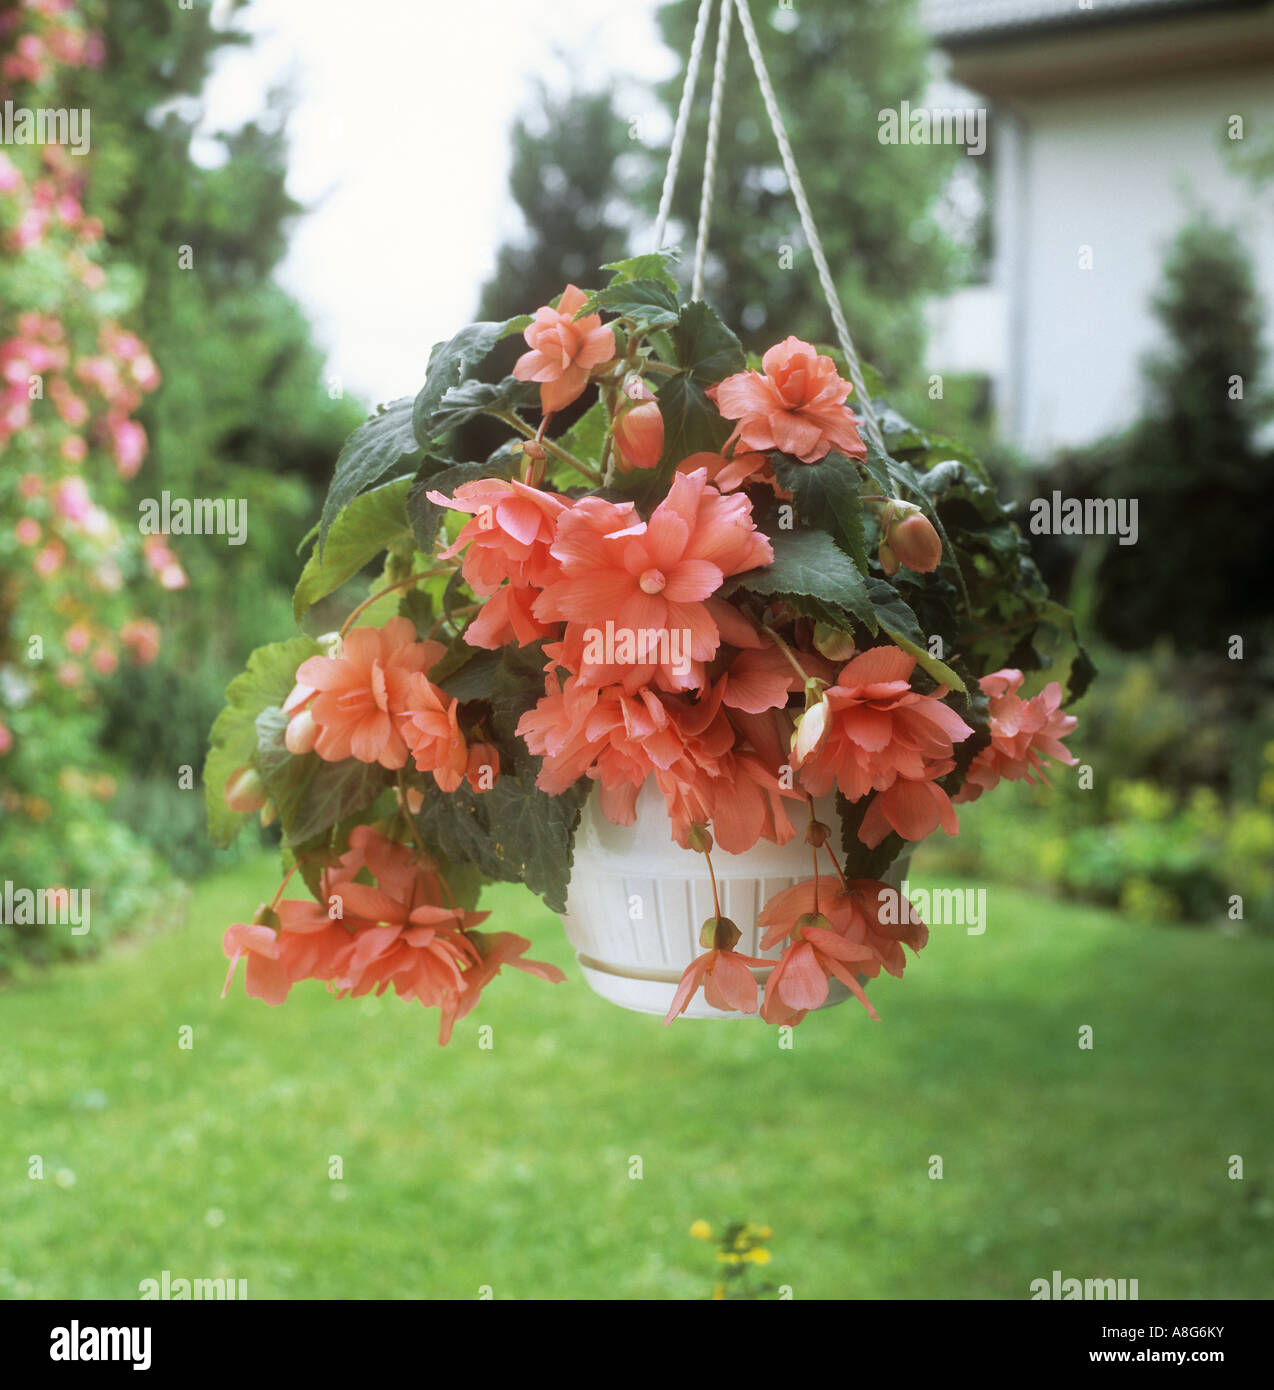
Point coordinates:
pixel 400 145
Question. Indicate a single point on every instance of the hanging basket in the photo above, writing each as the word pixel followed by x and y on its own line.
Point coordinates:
pixel 664 628
pixel 637 900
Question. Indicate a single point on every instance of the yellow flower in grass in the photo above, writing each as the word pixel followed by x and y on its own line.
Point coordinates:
pixel 701 1230
pixel 730 1257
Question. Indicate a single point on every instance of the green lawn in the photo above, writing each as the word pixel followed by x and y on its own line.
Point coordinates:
pixel 509 1168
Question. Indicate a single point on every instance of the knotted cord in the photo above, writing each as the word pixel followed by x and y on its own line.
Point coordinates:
pixel 710 158
pixel 683 120
pixel 862 403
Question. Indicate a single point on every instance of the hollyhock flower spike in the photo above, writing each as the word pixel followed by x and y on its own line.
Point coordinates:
pixel 796 404
pixel 564 350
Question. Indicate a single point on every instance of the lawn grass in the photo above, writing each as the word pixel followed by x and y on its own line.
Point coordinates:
pixel 509 1168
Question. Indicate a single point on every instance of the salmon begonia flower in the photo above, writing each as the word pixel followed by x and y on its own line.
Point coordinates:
pixel 431 730
pixel 1023 734
pixel 564 350
pixel 855 911
pixel 726 981
pixel 876 728
pixel 657 576
pixel 797 405
pixel 395 932
pixel 361 692
pixel 815 953
pixel 509 537
pixel 728 474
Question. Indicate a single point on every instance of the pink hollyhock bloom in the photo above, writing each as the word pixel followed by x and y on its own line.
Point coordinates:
pixel 10 175
pixel 797 405
pixel 129 440
pixel 653 576
pixel 145 373
pixel 27 531
pixel 72 500
pixel 73 449
pixel 30 485
pixel 364 690
pixel 872 728
pixel 509 538
pixel 69 674
pixel 798 983
pixel 77 638
pixel 105 661
pixel 431 728
pixel 49 560
pixel 854 910
pixel 6 739
pixel 564 350
pixel 142 637
pixel 1023 734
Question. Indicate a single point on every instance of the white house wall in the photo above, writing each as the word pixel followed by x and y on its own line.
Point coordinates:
pixel 1117 172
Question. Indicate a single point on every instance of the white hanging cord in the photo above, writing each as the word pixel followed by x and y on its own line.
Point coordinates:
pixel 683 119
pixel 862 402
pixel 710 159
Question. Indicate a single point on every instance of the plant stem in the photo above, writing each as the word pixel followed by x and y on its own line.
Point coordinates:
pixel 517 423
pixel 787 652
pixel 389 589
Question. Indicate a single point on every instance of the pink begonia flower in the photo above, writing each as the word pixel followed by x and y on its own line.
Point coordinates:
pixel 726 981
pixel 6 738
pixel 797 404
pixel 875 728
pixel 364 690
pixel 799 982
pixel 78 638
pixel 564 350
pixel 396 932
pixel 854 910
pixel 506 544
pixel 10 175
pixel 653 576
pixel 1023 734
pixel 105 661
pixel 27 531
pixel 727 474
pixel 430 725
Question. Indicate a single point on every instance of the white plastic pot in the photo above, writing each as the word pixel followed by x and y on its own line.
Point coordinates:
pixel 637 901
